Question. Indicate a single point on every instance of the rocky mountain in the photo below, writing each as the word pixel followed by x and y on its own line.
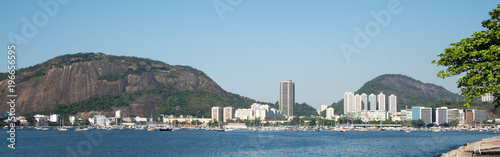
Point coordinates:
pixel 90 83
pixel 409 92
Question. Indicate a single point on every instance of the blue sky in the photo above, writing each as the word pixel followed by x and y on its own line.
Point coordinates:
pixel 254 44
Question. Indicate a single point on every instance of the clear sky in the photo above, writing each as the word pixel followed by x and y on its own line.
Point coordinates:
pixel 251 45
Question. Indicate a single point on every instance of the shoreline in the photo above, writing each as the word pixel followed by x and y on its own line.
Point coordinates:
pixel 487 146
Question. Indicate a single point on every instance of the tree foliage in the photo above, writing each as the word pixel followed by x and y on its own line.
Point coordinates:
pixel 304 110
pixel 478 57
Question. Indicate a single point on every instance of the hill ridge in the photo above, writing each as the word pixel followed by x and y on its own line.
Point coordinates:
pixel 409 91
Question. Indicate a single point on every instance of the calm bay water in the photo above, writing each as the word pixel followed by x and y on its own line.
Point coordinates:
pixel 236 143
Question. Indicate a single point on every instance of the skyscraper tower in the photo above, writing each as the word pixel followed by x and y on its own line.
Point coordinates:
pixel 348 102
pixel 364 102
pixel 287 97
pixel 357 103
pixel 381 101
pixel 393 104
pixel 372 102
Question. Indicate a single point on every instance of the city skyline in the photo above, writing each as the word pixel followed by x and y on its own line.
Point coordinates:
pixel 256 37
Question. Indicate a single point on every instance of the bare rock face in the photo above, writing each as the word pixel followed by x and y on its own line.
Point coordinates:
pixel 72 78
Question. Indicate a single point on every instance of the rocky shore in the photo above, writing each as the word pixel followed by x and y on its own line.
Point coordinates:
pixel 486 147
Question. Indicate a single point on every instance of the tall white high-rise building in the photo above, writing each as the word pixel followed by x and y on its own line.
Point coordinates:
pixel 488 97
pixel 393 104
pixel 228 113
pixel 217 114
pixel 381 102
pixel 348 102
pixel 118 114
pixel 330 113
pixel 352 104
pixel 440 115
pixel 357 103
pixel 287 97
pixel 372 102
pixel 323 107
pixel 364 102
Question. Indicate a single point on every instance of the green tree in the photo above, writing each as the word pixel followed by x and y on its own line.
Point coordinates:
pixel 453 123
pixel 478 56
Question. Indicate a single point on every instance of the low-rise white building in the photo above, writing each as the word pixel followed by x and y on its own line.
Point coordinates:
pixel 330 113
pixel 141 119
pixel 72 119
pixel 100 120
pixel 54 118
pixel 371 115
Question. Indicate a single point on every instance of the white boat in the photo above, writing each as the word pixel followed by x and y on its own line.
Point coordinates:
pixel 45 128
pixel 363 130
pixel 82 129
pixel 62 126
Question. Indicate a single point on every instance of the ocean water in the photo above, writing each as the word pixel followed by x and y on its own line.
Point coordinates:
pixel 235 143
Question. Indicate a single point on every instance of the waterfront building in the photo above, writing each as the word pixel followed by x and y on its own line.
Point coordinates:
pixel 474 116
pixel 244 114
pixel 357 103
pixel 323 107
pixel 118 114
pixel 258 111
pixel 72 119
pixel 255 106
pixel 287 97
pixel 422 113
pixel 479 116
pixel 228 113
pixel 440 115
pixel 393 104
pixel 100 120
pixel 348 102
pixel 217 114
pixel 462 117
pixel 364 102
pixel 455 115
pixel 396 117
pixel 488 97
pixel 41 119
pixel 141 119
pixel 469 116
pixel 170 118
pixel 330 113
pixel 54 118
pixel 381 103
pixel 406 114
pixel 409 114
pixel 366 116
pixel 372 102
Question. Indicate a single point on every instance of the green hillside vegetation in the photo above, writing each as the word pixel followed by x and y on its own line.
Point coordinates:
pixel 113 78
pixel 302 109
pixel 190 102
pixel 199 103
